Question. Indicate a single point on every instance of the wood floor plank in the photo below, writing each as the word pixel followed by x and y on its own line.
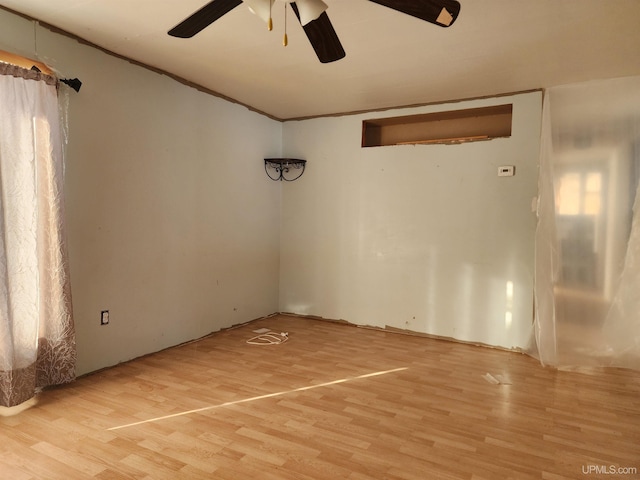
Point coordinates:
pixel 334 401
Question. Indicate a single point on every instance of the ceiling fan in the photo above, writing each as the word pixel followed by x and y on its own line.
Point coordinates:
pixel 314 20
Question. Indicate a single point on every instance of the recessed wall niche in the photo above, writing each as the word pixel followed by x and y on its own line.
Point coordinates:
pixel 449 127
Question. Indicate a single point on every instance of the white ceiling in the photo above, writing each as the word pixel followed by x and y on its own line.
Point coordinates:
pixel 495 47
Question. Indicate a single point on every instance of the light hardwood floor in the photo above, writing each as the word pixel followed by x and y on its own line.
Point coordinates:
pixel 335 401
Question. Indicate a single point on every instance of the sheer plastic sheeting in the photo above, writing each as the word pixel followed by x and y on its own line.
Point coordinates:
pixel 587 288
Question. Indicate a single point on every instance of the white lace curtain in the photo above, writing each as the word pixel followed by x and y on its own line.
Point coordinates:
pixel 588 237
pixel 37 342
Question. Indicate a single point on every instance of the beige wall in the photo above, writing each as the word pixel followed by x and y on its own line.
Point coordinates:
pixel 425 238
pixel 172 223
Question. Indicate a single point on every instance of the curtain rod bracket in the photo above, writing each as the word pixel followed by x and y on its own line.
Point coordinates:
pixel 73 83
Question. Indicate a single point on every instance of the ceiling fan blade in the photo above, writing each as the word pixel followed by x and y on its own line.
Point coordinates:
pixel 204 17
pixel 323 37
pixel 438 12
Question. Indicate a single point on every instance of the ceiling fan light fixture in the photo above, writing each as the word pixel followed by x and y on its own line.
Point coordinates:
pixel 309 9
pixel 261 8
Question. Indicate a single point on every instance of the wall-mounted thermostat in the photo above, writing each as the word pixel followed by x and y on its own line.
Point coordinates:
pixel 507 171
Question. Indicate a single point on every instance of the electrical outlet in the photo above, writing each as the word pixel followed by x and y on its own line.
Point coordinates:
pixel 104 317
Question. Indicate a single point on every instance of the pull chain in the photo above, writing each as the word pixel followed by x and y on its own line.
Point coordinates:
pixel 285 39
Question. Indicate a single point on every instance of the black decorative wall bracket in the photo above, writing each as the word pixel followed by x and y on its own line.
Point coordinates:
pixel 287 169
